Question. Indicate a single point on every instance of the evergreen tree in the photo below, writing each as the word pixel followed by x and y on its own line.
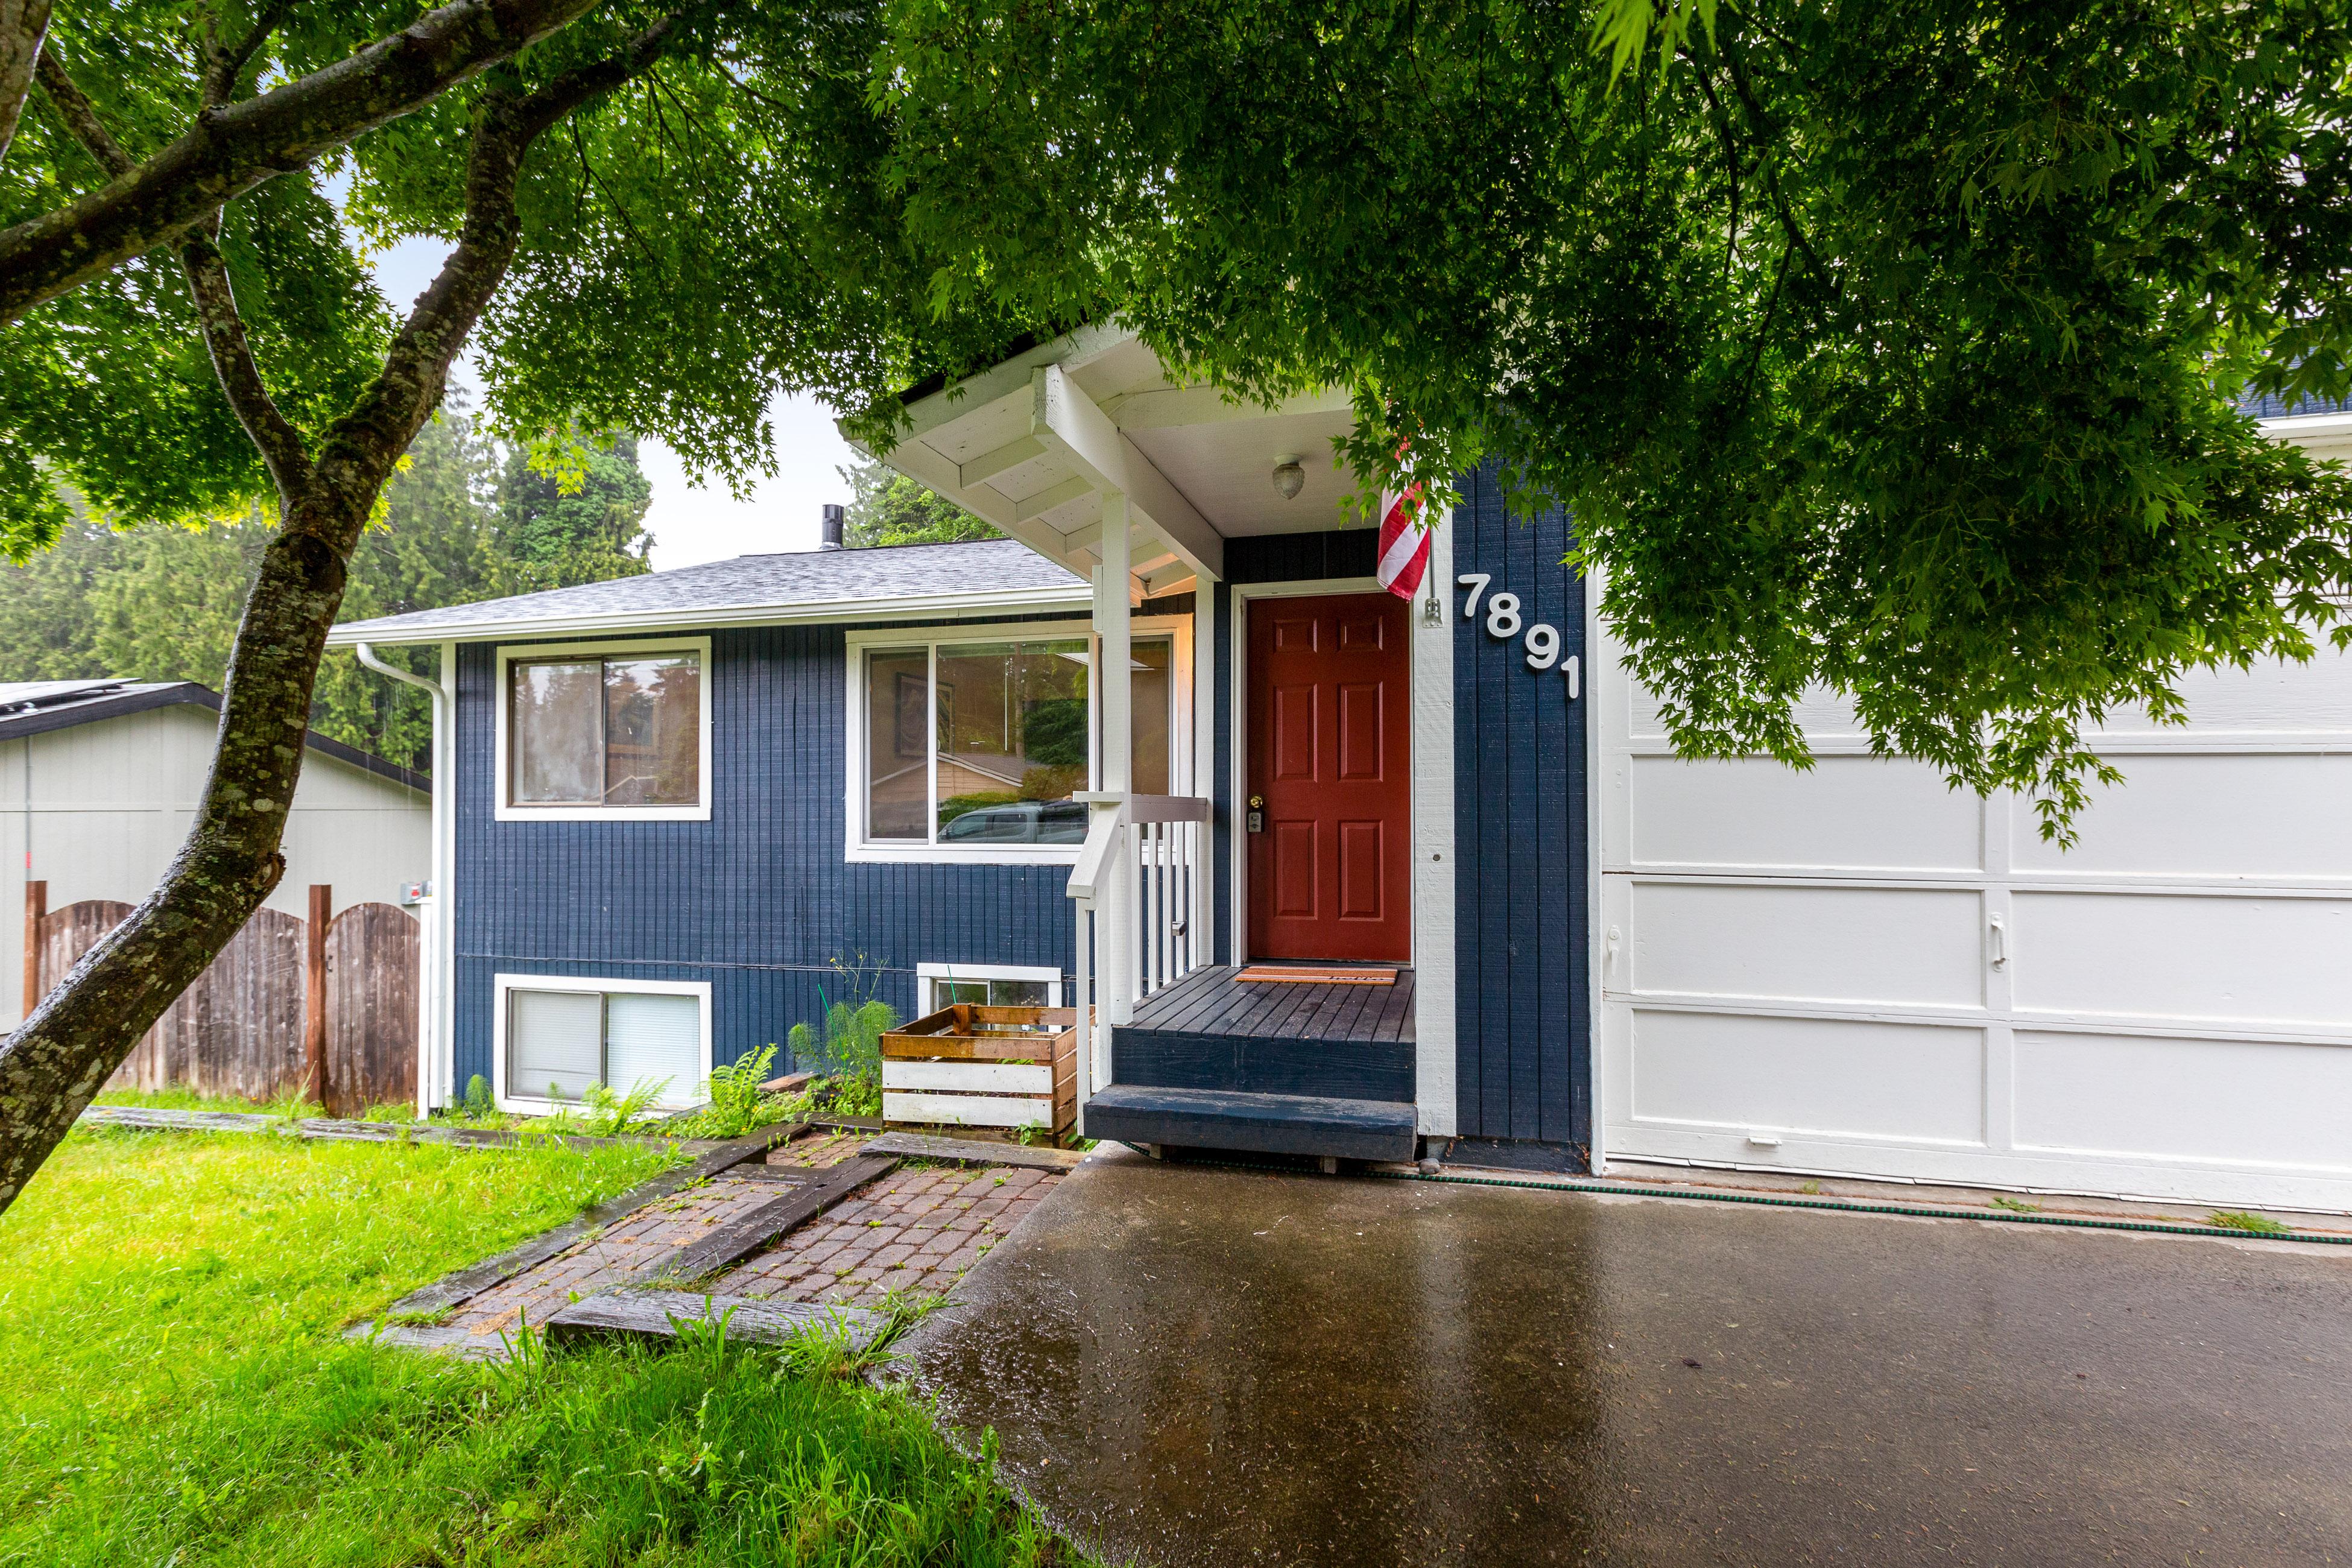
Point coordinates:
pixel 46 627
pixel 159 602
pixel 434 547
pixel 565 524
pixel 888 508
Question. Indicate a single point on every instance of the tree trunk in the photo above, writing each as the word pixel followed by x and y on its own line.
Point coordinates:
pixel 66 1049
pixel 23 25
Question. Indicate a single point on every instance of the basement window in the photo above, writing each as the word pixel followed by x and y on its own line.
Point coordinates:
pixel 561 1037
pixel 941 985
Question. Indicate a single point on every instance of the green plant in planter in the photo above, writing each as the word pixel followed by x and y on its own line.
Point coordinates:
pixel 848 1054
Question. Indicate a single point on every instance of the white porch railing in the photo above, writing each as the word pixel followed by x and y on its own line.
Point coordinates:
pixel 1140 894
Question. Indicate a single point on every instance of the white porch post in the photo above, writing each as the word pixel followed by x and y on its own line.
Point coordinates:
pixel 1116 914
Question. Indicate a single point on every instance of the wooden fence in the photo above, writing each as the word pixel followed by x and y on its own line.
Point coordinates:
pixel 246 1028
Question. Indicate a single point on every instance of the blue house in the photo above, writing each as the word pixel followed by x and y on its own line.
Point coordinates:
pixel 1170 728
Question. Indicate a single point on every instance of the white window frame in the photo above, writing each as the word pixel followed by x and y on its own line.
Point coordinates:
pixel 928 975
pixel 856 847
pixel 530 653
pixel 503 986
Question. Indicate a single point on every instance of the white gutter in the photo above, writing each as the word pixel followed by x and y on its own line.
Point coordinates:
pixel 435 1013
pixel 925 606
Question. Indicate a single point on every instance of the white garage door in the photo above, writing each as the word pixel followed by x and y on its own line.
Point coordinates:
pixel 1858 971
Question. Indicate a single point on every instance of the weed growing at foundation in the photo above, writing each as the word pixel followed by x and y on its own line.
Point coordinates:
pixel 177 1387
pixel 2239 1219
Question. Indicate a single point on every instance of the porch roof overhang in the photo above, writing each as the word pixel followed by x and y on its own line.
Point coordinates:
pixel 1038 443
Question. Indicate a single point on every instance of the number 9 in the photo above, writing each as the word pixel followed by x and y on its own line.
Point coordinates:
pixel 1503 616
pixel 1543 647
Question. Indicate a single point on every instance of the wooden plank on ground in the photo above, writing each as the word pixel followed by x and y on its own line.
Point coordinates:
pixel 738 1239
pixel 657 1314
pixel 451 1289
pixel 973 1152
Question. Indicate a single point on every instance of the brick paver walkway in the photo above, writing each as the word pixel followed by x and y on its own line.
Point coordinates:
pixel 918 1228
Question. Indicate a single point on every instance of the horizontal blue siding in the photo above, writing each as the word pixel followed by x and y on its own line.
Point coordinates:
pixel 759 900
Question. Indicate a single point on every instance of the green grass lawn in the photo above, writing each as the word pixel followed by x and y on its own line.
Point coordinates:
pixel 174 1388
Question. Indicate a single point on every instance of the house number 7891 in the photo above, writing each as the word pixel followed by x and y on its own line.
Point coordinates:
pixel 1503 624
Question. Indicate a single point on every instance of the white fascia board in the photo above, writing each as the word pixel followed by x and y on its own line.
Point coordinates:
pixel 1180 406
pixel 928 606
pixel 2299 427
pixel 1072 350
pixel 1065 416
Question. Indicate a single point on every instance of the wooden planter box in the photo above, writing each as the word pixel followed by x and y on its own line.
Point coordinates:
pixel 968 1066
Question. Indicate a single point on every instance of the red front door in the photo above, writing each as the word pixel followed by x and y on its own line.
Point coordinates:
pixel 1330 747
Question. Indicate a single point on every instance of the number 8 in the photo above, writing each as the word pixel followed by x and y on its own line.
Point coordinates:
pixel 1503 616
pixel 1543 647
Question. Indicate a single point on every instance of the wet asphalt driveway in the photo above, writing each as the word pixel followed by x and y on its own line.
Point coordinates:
pixel 1197 1366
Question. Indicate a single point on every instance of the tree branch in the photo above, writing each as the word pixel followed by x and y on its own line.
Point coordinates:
pixel 231 150
pixel 80 117
pixel 226 64
pixel 273 434
pixel 22 25
pixel 57 1059
pixel 359 449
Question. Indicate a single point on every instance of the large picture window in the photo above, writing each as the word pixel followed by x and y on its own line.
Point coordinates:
pixel 620 731
pixel 980 743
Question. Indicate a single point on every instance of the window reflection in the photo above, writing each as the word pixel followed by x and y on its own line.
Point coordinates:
pixel 606 732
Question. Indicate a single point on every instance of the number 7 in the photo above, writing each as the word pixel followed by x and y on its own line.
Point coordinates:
pixel 1476 582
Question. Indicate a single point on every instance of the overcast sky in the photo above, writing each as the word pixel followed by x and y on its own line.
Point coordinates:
pixel 690 525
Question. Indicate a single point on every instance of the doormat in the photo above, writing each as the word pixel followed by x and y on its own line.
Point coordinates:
pixel 1298 973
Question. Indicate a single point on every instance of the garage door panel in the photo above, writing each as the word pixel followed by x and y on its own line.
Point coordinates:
pixel 1888 946
pixel 2185 955
pixel 2238 1102
pixel 1822 713
pixel 2271 698
pixel 2206 813
pixel 1848 812
pixel 1832 1078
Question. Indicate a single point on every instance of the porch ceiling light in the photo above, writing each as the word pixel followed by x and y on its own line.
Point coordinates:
pixel 1289 478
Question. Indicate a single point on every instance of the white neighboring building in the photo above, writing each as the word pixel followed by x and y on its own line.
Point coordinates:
pixel 98 783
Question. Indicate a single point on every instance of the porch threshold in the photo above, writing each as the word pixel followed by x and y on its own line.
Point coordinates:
pixel 1253 1124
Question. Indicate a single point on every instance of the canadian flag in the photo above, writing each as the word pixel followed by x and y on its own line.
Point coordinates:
pixel 1404 544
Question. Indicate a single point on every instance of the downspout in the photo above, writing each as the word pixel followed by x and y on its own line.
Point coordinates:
pixel 433 1046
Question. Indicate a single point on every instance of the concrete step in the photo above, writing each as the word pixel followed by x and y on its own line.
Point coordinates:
pixel 1253 1124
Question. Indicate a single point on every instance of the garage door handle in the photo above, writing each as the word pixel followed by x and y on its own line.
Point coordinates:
pixel 1999 941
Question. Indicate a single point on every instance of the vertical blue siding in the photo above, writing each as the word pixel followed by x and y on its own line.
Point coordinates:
pixel 1521 839
pixel 759 900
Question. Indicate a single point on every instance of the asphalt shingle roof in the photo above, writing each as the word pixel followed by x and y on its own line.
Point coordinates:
pixel 748 585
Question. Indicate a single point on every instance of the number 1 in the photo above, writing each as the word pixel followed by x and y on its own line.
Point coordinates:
pixel 1476 582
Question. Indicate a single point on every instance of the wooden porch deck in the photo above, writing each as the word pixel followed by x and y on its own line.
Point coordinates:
pixel 1212 1001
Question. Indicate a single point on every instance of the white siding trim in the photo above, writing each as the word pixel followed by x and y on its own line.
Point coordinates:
pixel 1435 1057
pixel 1237 867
